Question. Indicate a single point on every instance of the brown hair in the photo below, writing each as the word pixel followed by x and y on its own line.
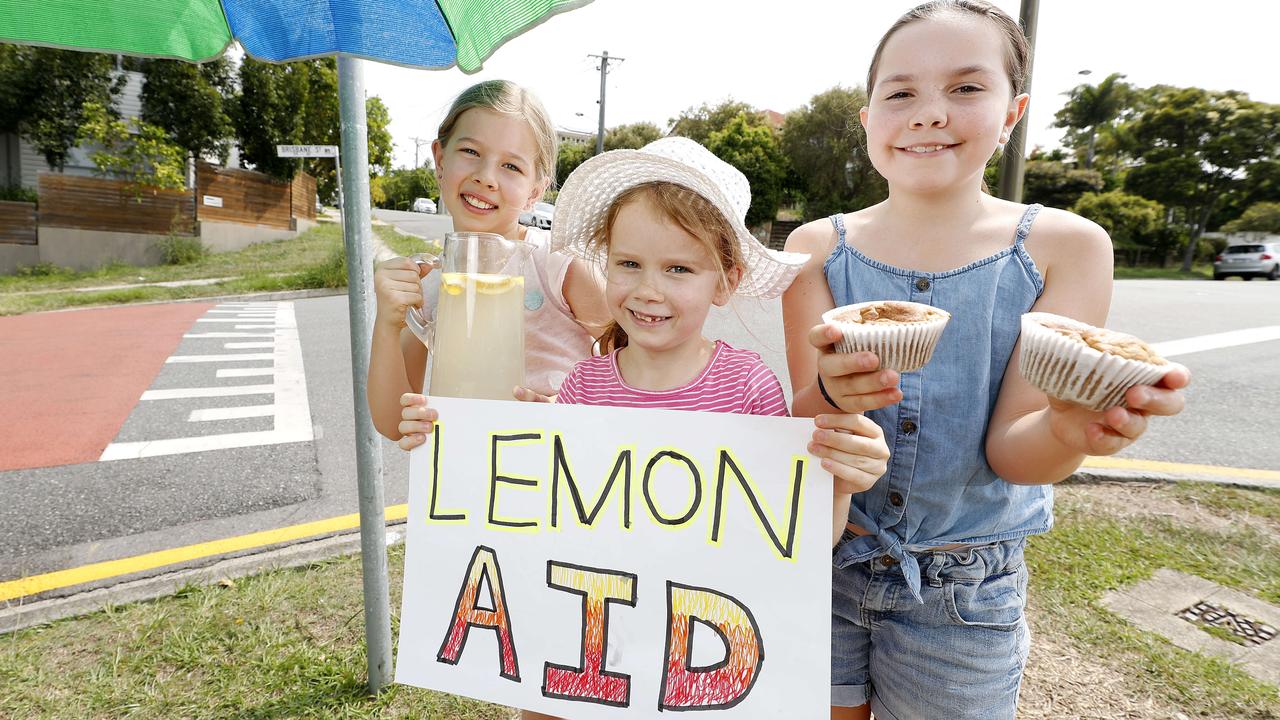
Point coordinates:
pixel 508 98
pixel 1017 51
pixel 692 213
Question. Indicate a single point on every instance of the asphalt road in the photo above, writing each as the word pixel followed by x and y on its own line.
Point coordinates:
pixel 67 516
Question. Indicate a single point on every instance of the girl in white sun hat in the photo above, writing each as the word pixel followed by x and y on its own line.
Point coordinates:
pixel 667 222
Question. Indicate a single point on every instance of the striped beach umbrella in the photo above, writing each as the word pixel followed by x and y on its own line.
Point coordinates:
pixel 429 34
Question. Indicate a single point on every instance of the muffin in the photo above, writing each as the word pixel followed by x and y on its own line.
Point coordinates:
pixel 1083 364
pixel 903 334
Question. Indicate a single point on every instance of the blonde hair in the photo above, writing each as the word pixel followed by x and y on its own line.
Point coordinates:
pixel 692 213
pixel 508 98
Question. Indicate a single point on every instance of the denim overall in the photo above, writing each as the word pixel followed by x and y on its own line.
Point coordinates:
pixel 902 609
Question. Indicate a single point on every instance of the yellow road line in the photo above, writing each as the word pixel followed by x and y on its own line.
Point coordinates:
pixel 1171 468
pixel 22 587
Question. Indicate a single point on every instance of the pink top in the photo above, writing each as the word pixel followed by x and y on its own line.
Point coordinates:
pixel 735 381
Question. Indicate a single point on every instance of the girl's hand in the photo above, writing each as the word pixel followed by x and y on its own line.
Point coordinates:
pixel 853 380
pixel 852 448
pixel 524 394
pixel 1109 432
pixel 395 283
pixel 416 420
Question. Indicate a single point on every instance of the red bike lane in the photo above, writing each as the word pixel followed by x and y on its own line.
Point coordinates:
pixel 69 379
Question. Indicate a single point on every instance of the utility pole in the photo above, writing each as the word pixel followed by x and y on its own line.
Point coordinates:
pixel 417 143
pixel 604 70
pixel 1014 159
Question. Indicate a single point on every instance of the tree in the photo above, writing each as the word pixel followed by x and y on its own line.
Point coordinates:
pixel 1056 184
pixel 1260 217
pixel 190 103
pixel 297 103
pixel 1089 107
pixel 754 150
pixel 43 93
pixel 568 158
pixel 1193 147
pixel 398 188
pixel 1130 220
pixel 631 137
pixel 824 145
pixel 698 123
pixel 132 150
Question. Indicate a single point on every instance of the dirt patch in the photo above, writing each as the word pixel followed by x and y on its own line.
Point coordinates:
pixel 1139 499
pixel 1063 682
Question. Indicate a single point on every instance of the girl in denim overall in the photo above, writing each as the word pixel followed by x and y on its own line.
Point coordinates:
pixel 928 581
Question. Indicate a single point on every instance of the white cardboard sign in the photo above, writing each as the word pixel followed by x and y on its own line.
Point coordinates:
pixel 591 562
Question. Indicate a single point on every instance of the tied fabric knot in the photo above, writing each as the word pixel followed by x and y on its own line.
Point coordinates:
pixel 862 548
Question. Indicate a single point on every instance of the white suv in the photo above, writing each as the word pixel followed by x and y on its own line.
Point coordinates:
pixel 1248 260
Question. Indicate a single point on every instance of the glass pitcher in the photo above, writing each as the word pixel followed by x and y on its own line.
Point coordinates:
pixel 475 330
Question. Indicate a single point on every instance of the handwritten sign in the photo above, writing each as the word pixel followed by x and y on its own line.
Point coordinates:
pixel 591 562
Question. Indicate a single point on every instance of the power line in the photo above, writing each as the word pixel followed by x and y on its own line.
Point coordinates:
pixel 604 70
pixel 417 143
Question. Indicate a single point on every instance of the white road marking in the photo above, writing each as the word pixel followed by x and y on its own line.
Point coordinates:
pixel 255 327
pixel 1201 343
pixel 204 392
pixel 231 413
pixel 227 335
pixel 220 358
pixel 233 320
pixel 245 372
pixel 291 410
pixel 248 345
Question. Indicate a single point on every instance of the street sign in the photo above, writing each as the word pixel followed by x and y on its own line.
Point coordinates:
pixel 307 150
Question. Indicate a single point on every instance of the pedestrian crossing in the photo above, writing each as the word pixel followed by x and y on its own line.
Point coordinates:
pixel 253 340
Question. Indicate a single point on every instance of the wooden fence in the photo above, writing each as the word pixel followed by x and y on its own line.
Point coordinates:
pixel 243 196
pixel 91 203
pixel 304 196
pixel 17 223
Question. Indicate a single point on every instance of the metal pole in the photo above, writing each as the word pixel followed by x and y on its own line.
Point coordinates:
pixel 604 70
pixel 356 235
pixel 1011 164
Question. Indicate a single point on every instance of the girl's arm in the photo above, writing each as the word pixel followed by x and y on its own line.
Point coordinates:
pixel 850 379
pixel 397 359
pixel 1032 439
pixel 584 294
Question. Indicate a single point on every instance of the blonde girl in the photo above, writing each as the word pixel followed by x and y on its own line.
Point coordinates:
pixel 495 155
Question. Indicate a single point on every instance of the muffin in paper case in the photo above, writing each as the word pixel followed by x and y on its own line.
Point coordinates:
pixel 1079 363
pixel 903 334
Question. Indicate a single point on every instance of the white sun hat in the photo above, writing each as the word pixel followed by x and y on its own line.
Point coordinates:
pixel 591 189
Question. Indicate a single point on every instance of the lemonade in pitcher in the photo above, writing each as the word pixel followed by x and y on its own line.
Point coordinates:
pixel 476 354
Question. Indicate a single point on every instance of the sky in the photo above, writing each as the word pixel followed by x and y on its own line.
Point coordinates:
pixel 683 53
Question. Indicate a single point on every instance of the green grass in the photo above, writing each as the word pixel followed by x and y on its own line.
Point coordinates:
pixel 1198 272
pixel 313 259
pixel 285 644
pixel 1089 553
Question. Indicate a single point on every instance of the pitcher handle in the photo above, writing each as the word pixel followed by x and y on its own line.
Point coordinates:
pixel 417 323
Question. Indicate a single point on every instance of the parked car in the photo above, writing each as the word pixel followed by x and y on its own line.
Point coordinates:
pixel 424 205
pixel 1248 261
pixel 540 216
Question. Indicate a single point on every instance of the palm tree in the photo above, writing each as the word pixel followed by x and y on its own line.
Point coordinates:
pixel 1090 106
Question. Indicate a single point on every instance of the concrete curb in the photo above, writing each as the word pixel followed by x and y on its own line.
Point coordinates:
pixel 1087 475
pixel 39 612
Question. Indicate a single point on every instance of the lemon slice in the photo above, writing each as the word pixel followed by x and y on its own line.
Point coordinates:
pixel 488 284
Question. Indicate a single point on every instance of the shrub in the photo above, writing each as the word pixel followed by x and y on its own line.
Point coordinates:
pixel 17 193
pixel 181 249
pixel 43 269
pixel 331 273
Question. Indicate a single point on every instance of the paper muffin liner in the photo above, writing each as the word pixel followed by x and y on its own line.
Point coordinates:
pixel 903 346
pixel 1070 370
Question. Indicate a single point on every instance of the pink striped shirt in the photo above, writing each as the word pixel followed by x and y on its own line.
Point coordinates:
pixel 735 381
